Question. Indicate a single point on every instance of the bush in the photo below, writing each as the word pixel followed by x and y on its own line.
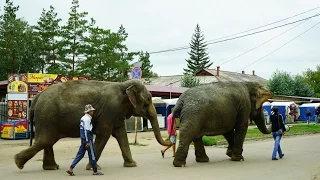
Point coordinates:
pixel 209 141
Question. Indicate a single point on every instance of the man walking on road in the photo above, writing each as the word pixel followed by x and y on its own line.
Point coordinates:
pixel 86 142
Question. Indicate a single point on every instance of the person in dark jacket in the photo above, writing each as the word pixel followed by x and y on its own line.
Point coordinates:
pixel 317 113
pixel 86 136
pixel 308 114
pixel 276 127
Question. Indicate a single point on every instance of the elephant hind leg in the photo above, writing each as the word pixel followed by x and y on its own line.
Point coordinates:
pixel 230 138
pixel 25 155
pixel 200 151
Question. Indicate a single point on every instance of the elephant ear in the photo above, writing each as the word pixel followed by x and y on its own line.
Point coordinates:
pixel 131 91
pixel 262 96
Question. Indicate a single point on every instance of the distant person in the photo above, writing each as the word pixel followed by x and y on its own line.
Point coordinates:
pixel 266 116
pixel 278 129
pixel 317 113
pixel 308 114
pixel 173 133
pixel 86 142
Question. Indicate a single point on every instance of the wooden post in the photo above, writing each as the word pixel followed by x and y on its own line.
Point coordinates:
pixel 135 130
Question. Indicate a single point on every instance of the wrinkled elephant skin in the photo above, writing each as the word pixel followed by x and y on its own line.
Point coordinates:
pixel 221 108
pixel 56 113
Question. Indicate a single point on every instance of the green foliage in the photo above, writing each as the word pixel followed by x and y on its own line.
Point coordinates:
pixel 282 83
pixel 199 58
pixel 76 48
pixel 73 34
pixel 18 44
pixel 313 79
pixel 48 31
pixel 189 81
pixel 209 141
pixel 146 65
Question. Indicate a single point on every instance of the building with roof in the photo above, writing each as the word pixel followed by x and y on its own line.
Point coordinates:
pixel 169 86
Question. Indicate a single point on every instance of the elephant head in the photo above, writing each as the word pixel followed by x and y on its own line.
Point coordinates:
pixel 258 95
pixel 141 103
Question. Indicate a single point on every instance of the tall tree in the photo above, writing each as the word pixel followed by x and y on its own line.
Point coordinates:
pixel 199 58
pixel 73 35
pixel 48 30
pixel 17 43
pixel 107 56
pixel 301 87
pixel 313 79
pixel 146 65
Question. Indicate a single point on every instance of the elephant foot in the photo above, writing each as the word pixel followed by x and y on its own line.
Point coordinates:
pixel 229 152
pixel 18 161
pixel 237 158
pixel 177 163
pixel 89 167
pixel 129 164
pixel 50 167
pixel 202 158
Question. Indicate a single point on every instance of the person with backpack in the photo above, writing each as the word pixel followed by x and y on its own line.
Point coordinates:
pixel 278 130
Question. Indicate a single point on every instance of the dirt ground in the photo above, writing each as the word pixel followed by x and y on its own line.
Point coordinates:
pixel 301 161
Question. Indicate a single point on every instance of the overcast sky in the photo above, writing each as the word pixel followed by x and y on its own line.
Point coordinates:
pixel 155 25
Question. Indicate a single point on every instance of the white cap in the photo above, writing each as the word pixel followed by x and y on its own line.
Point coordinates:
pixel 88 108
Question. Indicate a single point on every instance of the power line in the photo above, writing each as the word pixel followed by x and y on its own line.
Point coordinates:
pixel 280 47
pixel 262 43
pixel 187 47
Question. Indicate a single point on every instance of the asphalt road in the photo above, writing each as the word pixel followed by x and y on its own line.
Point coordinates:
pixel 301 162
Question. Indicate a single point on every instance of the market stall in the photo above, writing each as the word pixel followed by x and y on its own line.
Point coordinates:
pixel 21 89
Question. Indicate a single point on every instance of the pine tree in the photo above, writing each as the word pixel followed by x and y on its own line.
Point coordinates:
pixel 199 58
pixel 48 30
pixel 146 65
pixel 73 38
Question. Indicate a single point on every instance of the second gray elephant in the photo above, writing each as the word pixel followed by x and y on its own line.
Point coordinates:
pixel 221 108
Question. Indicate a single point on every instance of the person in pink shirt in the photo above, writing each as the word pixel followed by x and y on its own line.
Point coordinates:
pixel 173 138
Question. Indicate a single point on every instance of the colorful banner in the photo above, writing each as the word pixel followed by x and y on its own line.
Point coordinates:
pixel 41 78
pixel 17 83
pixel 17 109
pixel 8 130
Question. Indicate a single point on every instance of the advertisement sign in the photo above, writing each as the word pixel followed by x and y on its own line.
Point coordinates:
pixel 17 109
pixel 17 83
pixel 9 130
pixel 39 82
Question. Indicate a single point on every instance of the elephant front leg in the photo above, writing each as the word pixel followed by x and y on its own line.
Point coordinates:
pixel 99 143
pixel 200 152
pixel 121 135
pixel 240 134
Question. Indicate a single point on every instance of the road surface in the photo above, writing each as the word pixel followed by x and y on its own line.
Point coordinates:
pixel 301 161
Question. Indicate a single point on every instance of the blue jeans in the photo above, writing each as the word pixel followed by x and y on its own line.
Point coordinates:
pixel 276 148
pixel 91 154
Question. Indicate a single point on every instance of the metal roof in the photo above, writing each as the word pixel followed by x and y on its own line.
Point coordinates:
pixel 224 76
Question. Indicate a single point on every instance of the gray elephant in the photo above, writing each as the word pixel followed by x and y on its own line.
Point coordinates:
pixel 56 113
pixel 221 108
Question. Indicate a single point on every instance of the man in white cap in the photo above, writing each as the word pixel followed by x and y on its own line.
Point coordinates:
pixel 86 142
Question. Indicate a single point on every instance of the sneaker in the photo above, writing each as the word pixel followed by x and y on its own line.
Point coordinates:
pixel 281 156
pixel 274 159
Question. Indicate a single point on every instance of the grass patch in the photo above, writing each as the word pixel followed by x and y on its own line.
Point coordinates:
pixel 255 134
pixel 137 144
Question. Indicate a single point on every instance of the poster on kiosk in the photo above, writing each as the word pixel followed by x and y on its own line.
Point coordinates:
pixel 21 89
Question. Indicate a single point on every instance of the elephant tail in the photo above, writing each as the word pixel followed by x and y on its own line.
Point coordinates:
pixel 176 113
pixel 31 117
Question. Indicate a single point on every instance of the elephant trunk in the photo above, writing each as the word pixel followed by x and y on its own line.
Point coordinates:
pixel 155 125
pixel 259 121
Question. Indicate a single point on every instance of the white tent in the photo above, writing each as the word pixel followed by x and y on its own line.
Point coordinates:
pixel 310 105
